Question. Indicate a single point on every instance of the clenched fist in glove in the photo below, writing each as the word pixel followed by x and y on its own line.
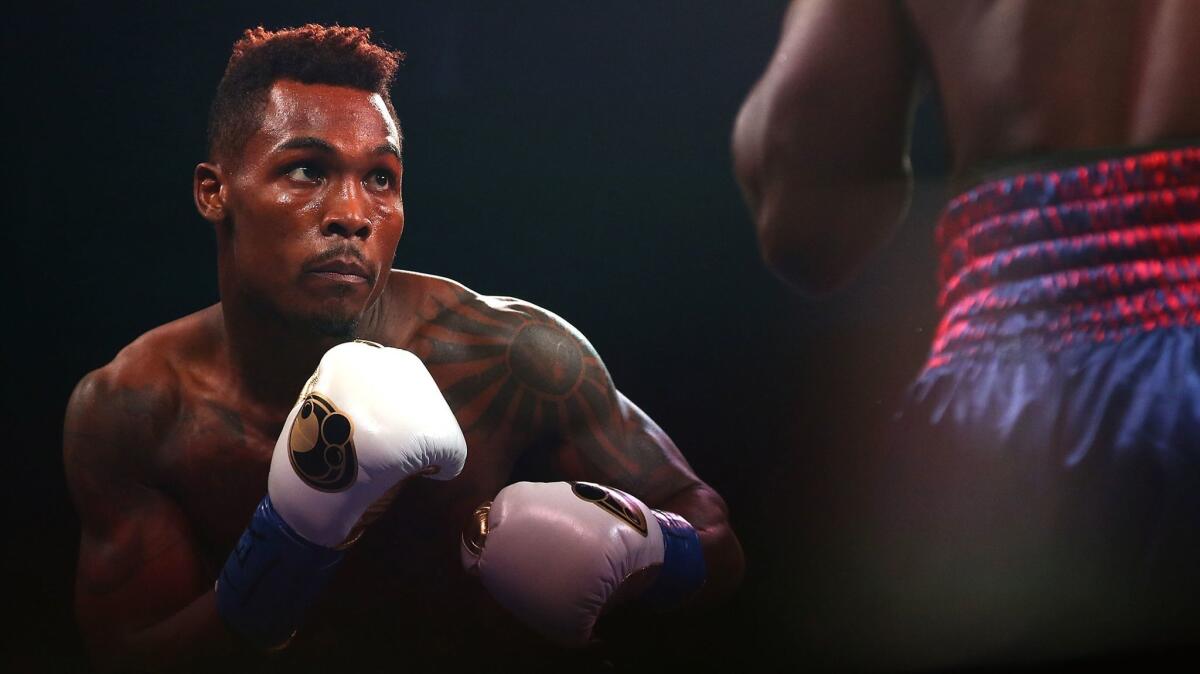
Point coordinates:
pixel 556 554
pixel 369 417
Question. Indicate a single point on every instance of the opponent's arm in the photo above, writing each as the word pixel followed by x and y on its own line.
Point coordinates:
pixel 142 598
pixel 820 143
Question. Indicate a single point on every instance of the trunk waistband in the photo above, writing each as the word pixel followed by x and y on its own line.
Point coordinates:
pixel 1049 258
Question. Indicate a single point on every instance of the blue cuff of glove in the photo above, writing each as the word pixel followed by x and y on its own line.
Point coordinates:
pixel 270 578
pixel 683 570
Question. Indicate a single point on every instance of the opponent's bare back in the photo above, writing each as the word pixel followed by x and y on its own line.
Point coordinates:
pixel 820 145
pixel 1020 77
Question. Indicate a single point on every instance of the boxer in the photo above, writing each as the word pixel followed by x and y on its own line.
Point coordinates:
pixel 1046 478
pixel 290 470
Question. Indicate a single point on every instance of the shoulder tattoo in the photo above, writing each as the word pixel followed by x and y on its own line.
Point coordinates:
pixel 507 367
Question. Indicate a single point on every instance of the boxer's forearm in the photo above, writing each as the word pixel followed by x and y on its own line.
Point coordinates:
pixel 819 205
pixel 706 511
pixel 816 232
pixel 819 147
pixel 194 633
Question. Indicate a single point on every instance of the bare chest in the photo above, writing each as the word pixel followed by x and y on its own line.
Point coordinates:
pixel 215 466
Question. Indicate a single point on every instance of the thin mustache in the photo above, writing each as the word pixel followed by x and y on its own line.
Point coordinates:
pixel 342 251
pixel 335 253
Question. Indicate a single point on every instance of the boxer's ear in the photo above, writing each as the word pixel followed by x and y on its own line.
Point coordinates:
pixel 208 184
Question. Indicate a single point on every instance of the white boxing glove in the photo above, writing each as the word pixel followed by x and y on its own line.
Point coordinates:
pixel 369 417
pixel 555 554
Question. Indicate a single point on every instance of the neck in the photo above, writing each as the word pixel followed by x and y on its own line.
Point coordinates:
pixel 272 357
pixel 270 361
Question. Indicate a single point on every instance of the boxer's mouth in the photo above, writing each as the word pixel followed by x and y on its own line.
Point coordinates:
pixel 347 270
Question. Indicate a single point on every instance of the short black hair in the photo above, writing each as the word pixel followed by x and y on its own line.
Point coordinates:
pixel 312 54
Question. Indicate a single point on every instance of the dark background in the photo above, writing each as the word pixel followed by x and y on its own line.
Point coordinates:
pixel 572 154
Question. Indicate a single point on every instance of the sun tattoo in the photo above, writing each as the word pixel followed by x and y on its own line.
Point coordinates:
pixel 508 367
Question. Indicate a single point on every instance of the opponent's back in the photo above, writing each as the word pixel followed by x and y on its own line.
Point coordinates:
pixel 1022 78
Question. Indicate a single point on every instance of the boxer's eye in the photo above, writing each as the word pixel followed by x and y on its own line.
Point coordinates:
pixel 304 174
pixel 380 180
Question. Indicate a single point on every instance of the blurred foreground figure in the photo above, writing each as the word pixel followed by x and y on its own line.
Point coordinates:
pixel 1042 497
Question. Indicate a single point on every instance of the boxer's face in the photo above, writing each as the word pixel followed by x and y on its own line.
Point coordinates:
pixel 314 205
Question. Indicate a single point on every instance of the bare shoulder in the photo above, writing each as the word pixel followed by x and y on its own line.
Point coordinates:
pixel 504 363
pixel 118 413
pixel 453 316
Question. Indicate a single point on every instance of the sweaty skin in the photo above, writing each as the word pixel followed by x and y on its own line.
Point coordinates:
pixel 167 448
pixel 820 144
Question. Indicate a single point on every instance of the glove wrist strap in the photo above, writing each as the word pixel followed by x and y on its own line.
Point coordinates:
pixel 270 579
pixel 683 571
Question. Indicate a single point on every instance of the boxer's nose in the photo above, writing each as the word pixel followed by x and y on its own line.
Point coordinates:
pixel 349 211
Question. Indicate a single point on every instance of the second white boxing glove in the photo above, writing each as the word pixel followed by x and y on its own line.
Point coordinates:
pixel 556 554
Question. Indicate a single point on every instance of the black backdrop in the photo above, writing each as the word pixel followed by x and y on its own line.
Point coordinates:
pixel 572 154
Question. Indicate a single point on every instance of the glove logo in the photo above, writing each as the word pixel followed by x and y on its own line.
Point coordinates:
pixel 614 503
pixel 320 446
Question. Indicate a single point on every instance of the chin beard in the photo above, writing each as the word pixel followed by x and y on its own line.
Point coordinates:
pixel 336 322
pixel 332 325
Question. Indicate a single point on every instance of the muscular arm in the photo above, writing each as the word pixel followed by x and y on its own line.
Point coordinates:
pixel 141 596
pixel 820 144
pixel 522 374
pixel 649 465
